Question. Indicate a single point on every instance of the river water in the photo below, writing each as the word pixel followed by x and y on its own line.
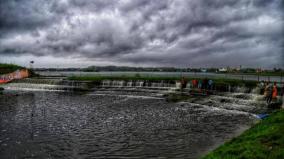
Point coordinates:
pixel 113 124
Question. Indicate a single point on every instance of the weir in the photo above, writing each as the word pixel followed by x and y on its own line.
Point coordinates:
pixel 138 84
pixel 163 85
pixel 69 85
pixel 43 84
pixel 63 84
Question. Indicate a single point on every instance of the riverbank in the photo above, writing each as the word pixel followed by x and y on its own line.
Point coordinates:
pixel 265 140
pixel 258 74
pixel 9 68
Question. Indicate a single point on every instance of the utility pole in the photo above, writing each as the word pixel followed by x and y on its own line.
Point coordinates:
pixel 31 67
pixel 281 76
pixel 258 72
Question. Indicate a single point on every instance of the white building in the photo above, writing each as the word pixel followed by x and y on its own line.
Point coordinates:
pixel 223 70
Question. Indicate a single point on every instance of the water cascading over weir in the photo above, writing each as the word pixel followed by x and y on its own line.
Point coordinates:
pixel 69 85
pixel 63 84
pixel 138 84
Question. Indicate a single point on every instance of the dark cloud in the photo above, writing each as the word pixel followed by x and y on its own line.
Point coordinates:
pixel 146 32
pixel 20 15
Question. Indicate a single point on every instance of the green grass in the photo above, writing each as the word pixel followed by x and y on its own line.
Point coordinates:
pixel 260 74
pixel 265 140
pixel 8 68
pixel 217 82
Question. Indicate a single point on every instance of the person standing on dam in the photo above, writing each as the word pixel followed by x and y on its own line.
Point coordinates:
pixel 194 83
pixel 282 96
pixel 199 84
pixel 274 91
pixel 183 83
pixel 205 84
pixel 268 93
pixel 210 84
pixel 262 87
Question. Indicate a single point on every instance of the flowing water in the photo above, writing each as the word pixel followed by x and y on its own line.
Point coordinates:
pixel 118 123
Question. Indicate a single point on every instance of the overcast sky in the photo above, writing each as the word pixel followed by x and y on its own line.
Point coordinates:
pixel 181 33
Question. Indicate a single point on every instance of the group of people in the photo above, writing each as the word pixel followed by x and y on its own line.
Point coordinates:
pixel 202 84
pixel 270 92
pixel 206 84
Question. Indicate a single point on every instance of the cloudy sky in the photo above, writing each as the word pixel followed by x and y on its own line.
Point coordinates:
pixel 181 33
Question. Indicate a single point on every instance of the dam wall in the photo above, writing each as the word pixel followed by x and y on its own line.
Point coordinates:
pixel 71 85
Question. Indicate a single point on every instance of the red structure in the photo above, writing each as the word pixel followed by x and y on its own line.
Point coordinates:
pixel 19 74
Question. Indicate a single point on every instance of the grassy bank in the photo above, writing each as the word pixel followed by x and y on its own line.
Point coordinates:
pixel 265 140
pixel 8 68
pixel 217 81
pixel 259 74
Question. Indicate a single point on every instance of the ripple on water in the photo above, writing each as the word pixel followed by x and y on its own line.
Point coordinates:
pixel 68 125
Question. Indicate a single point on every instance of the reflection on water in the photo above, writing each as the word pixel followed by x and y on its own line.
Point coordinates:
pixel 67 125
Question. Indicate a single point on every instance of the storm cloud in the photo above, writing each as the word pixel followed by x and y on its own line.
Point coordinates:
pixel 183 33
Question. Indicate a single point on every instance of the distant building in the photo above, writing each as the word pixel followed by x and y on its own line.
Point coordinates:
pixel 203 70
pixel 259 70
pixel 223 70
pixel 238 69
